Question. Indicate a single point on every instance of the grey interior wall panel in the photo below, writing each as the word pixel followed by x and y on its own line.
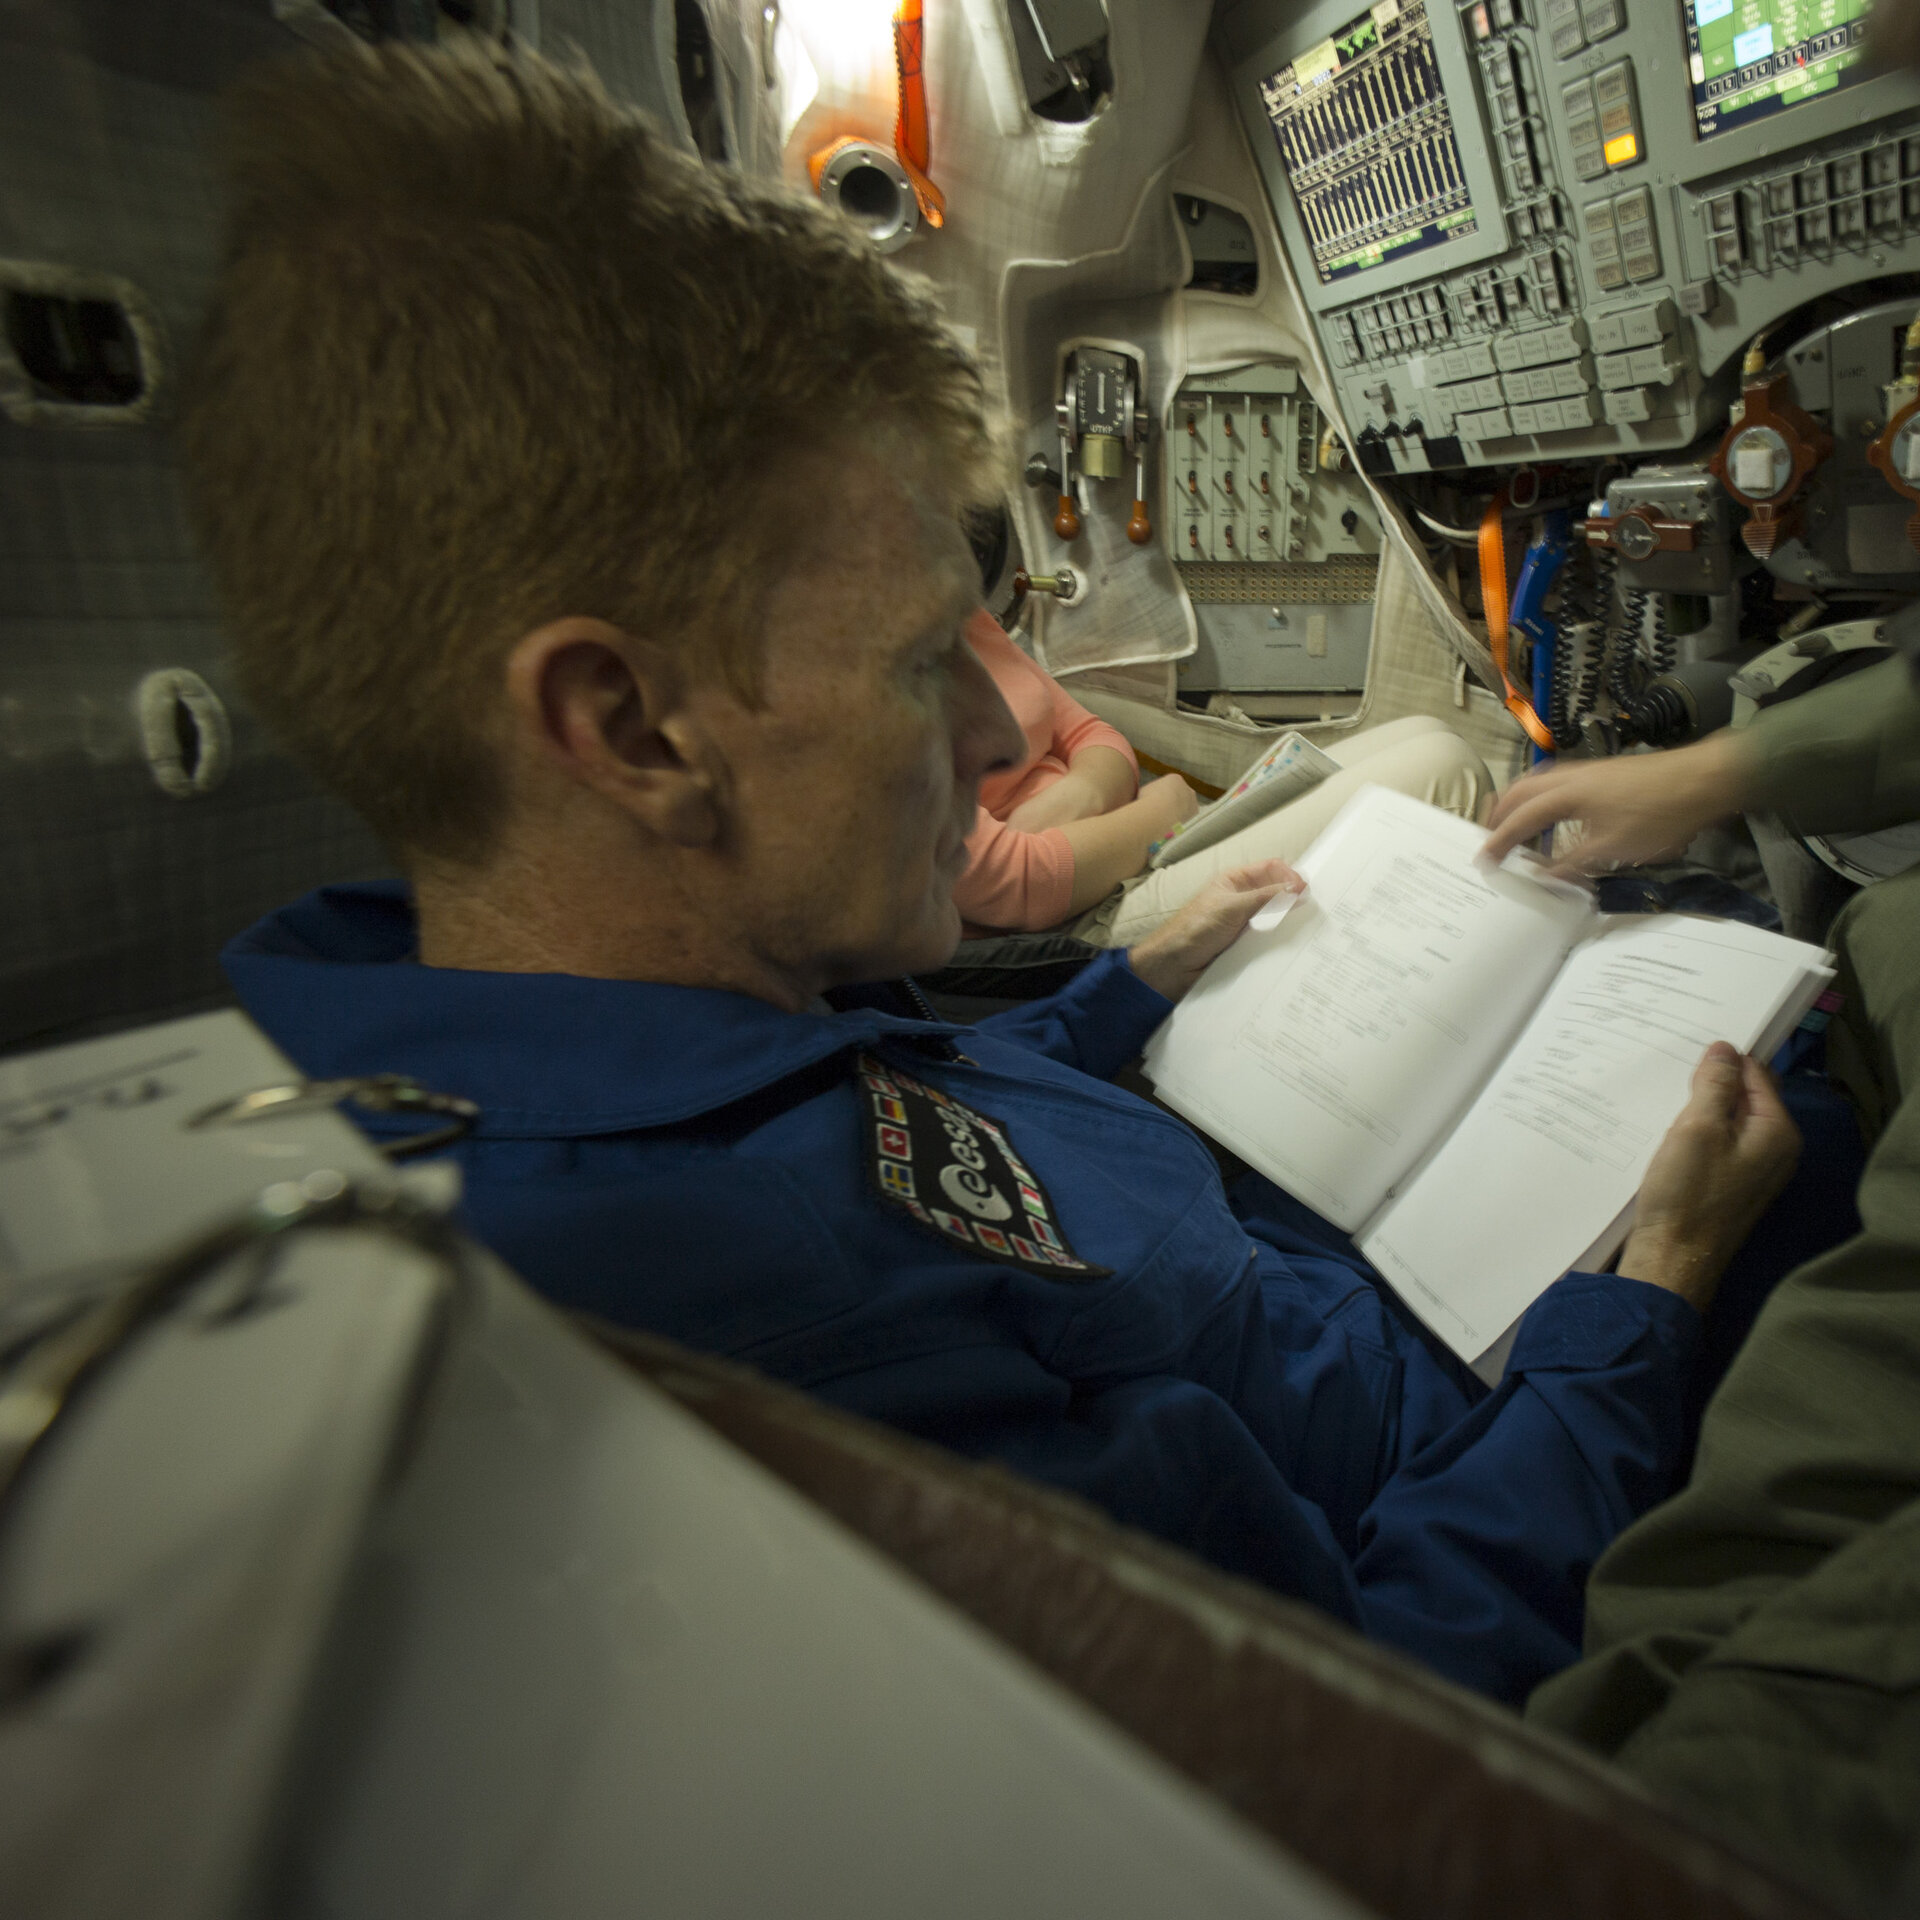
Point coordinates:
pixel 116 897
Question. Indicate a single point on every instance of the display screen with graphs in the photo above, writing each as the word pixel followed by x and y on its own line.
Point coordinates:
pixel 1367 142
pixel 1749 58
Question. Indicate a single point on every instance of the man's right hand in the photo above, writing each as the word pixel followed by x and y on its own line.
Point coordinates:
pixel 1638 807
pixel 1730 1152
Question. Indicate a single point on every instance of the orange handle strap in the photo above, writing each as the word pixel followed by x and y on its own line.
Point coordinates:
pixel 1493 597
pixel 912 142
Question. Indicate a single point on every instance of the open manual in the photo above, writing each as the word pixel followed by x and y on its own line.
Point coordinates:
pixel 1466 1068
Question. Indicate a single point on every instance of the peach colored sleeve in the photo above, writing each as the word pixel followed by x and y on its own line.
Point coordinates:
pixel 1075 730
pixel 1015 882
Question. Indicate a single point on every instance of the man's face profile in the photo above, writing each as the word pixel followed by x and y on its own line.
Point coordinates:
pixel 853 786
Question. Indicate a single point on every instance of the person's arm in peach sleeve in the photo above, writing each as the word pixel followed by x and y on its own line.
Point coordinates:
pixel 1021 882
pixel 1015 881
pixel 1102 772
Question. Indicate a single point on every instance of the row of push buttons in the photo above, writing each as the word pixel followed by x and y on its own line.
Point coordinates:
pixel 1555 416
pixel 1620 239
pixel 1847 201
pixel 1548 416
pixel 1636 352
pixel 1506 95
pixel 1573 24
pixel 1542 385
pixel 1391 328
pixel 1603 121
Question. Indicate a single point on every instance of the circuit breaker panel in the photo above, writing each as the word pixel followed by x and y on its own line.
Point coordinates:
pixel 1277 552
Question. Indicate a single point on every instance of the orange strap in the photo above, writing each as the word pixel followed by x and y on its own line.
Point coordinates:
pixel 912 143
pixel 1493 597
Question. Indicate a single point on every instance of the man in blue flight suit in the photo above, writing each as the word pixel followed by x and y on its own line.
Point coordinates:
pixel 591 524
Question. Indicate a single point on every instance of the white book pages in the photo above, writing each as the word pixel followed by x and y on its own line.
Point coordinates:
pixel 1332 1051
pixel 1540 1176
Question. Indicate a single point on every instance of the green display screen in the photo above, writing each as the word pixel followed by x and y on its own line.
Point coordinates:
pixel 1751 58
pixel 1366 137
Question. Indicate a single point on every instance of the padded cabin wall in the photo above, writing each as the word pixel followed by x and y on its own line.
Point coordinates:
pixel 1419 639
pixel 117 896
pixel 1056 232
pixel 631 45
pixel 1052 231
pixel 1414 669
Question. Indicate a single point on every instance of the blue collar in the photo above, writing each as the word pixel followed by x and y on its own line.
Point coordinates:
pixel 336 982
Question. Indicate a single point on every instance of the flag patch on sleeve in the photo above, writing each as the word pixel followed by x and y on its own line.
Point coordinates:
pixel 956 1173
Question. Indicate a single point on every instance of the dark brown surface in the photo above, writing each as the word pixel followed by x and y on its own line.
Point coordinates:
pixel 1417 1798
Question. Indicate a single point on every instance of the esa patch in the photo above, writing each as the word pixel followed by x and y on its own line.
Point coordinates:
pixel 955 1171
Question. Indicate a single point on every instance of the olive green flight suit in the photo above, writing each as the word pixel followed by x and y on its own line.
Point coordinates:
pixel 1753 1646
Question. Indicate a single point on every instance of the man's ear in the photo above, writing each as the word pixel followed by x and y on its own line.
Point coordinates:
pixel 611 713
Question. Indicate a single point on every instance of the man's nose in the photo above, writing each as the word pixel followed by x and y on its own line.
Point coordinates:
pixel 986 736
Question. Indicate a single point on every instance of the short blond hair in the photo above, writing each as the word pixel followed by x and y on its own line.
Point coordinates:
pixel 485 351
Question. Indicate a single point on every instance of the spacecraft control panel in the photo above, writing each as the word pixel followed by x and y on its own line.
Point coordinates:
pixel 1277 554
pixel 1275 536
pixel 1551 229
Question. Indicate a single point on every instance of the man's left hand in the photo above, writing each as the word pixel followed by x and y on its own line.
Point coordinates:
pixel 1175 955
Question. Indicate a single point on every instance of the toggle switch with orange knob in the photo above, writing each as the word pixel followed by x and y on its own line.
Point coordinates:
pixel 1102 417
pixel 1139 526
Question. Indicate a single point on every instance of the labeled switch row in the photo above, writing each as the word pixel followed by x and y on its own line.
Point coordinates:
pixel 1573 24
pixel 1536 346
pixel 1569 415
pixel 1638 367
pixel 1390 328
pixel 1632 327
pixel 1556 416
pixel 1603 121
pixel 1621 243
pixel 1849 200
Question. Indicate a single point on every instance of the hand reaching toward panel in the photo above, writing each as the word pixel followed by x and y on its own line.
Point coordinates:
pixel 1638 807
